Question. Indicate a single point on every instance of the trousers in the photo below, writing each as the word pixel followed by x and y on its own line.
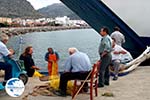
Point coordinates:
pixel 65 77
pixel 8 70
pixel 104 73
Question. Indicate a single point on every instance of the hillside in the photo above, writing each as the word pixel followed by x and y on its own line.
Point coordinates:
pixel 17 8
pixel 57 9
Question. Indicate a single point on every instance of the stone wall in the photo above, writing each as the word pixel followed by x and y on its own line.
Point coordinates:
pixel 23 30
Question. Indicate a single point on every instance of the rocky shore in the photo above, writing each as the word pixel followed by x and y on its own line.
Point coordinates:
pixel 22 30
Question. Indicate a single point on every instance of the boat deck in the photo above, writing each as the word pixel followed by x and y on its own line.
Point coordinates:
pixel 134 86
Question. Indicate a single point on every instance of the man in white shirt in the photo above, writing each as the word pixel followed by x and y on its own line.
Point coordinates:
pixel 4 52
pixel 119 55
pixel 118 36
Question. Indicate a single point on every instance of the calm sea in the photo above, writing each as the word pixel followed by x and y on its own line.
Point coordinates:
pixel 86 40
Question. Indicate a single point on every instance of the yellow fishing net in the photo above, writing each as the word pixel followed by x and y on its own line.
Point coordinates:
pixel 54 83
pixel 37 74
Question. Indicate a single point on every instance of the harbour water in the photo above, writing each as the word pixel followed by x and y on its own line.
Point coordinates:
pixel 86 40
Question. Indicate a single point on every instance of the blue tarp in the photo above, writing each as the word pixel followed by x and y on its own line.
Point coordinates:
pixel 97 15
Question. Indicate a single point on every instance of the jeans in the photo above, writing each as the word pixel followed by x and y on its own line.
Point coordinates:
pixel 8 70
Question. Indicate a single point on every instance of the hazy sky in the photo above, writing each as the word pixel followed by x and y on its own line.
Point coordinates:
pixel 42 3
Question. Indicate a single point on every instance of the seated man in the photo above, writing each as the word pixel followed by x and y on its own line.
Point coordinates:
pixel 77 66
pixel 4 52
pixel 119 55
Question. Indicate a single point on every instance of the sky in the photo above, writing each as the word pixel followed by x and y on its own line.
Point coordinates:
pixel 42 3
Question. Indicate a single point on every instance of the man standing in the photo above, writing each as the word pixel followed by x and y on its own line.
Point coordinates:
pixel 118 36
pixel 105 56
pixel 77 66
pixel 52 58
pixel 4 52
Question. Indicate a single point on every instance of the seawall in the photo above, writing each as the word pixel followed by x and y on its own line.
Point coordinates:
pixel 11 31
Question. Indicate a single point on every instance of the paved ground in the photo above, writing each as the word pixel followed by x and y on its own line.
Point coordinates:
pixel 134 86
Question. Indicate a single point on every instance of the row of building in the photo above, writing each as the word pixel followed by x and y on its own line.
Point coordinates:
pixel 58 21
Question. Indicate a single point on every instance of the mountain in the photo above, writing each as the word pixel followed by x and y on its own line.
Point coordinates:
pixel 58 9
pixel 17 8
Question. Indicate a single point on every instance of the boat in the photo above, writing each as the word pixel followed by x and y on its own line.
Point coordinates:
pixel 131 16
pixel 132 65
pixel 98 13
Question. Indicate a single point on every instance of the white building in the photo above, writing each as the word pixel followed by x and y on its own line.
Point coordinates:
pixel 62 20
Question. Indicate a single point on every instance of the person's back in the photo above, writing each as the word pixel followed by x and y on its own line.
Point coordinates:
pixel 77 66
pixel 118 36
pixel 80 62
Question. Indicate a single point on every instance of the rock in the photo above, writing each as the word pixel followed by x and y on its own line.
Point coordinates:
pixel 108 94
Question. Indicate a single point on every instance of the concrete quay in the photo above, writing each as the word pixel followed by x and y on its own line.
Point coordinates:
pixel 134 86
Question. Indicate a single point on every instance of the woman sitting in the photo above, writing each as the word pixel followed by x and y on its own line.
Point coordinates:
pixel 26 56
